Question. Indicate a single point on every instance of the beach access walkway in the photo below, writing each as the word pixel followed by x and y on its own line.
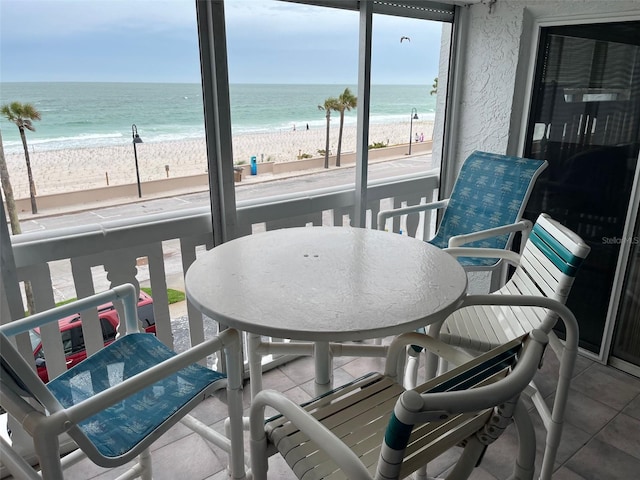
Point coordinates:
pixel 96 198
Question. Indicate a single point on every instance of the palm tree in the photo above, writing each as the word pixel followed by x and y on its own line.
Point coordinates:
pixel 329 104
pixel 22 114
pixel 14 221
pixel 434 87
pixel 7 189
pixel 346 101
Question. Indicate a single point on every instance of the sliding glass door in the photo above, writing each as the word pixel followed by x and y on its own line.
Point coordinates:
pixel 585 120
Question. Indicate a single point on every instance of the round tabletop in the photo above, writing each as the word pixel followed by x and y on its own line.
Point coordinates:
pixel 325 283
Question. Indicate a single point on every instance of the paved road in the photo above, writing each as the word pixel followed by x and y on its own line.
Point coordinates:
pixel 63 286
pixel 244 191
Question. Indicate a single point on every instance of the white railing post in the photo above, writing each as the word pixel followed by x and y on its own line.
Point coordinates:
pixel 51 258
pixel 117 245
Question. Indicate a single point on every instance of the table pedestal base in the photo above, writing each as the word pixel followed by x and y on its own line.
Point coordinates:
pixel 323 353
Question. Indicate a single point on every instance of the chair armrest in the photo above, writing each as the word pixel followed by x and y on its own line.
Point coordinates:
pixel 567 316
pixel 440 405
pixel 523 225
pixel 324 438
pixel 227 339
pixel 126 293
pixel 507 255
pixel 397 346
pixel 383 215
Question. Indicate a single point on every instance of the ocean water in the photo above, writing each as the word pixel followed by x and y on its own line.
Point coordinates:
pixel 76 115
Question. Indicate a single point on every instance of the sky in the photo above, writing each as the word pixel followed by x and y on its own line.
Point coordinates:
pixel 156 41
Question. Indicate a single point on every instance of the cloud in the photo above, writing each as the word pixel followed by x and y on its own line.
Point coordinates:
pixel 292 43
pixel 67 18
pixel 283 16
pixel 143 40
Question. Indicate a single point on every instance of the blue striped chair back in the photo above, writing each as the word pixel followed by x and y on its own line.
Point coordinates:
pixel 550 260
pixel 491 191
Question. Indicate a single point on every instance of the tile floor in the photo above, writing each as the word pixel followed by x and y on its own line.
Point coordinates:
pixel 601 438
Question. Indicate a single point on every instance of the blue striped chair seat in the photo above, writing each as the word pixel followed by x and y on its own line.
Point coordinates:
pixel 119 428
pixel 119 400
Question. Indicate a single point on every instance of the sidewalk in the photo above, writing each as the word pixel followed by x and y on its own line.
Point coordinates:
pixel 73 202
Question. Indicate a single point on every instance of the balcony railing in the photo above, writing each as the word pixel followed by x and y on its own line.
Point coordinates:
pixel 92 258
pixel 152 248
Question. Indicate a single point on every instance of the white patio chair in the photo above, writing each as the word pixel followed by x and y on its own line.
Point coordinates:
pixel 374 428
pixel 545 271
pixel 484 209
pixel 118 401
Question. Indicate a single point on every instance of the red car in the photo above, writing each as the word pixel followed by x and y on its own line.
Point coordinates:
pixel 73 338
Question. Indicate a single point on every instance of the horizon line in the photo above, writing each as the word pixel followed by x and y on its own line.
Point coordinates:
pixel 198 83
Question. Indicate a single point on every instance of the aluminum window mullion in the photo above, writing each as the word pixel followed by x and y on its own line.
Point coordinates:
pixel 364 98
pixel 217 118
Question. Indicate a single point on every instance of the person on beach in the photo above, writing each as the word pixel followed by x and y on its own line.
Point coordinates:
pixel 421 136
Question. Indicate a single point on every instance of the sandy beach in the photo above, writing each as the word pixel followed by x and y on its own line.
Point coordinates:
pixel 58 171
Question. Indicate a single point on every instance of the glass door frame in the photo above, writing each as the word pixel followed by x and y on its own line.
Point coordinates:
pixel 618 284
pixel 527 76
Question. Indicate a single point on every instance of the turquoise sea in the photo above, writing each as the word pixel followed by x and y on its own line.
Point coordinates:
pixel 76 115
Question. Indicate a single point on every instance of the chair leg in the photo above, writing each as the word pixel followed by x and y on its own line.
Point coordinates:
pixel 14 462
pixel 421 473
pixel 432 360
pixel 48 453
pixel 498 277
pixel 468 460
pixel 411 370
pixel 236 427
pixel 431 365
pixel 259 457
pixel 443 366
pixel 141 469
pixel 524 467
pixel 144 459
pixel 554 429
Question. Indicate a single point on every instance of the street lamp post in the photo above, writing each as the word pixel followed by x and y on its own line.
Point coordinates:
pixel 412 117
pixel 136 139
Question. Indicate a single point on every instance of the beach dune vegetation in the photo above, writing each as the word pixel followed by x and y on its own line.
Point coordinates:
pixel 23 114
pixel 346 101
pixel 434 87
pixel 375 145
pixel 329 104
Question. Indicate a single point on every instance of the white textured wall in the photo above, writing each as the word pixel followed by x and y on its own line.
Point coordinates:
pixel 489 67
pixel 496 55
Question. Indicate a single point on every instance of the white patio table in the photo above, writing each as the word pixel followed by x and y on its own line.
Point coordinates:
pixel 322 285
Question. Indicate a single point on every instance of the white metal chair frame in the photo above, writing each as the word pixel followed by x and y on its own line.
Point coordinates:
pixel 544 275
pixel 484 209
pixel 42 415
pixel 345 429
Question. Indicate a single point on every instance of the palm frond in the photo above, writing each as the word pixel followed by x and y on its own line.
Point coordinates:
pixel 21 114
